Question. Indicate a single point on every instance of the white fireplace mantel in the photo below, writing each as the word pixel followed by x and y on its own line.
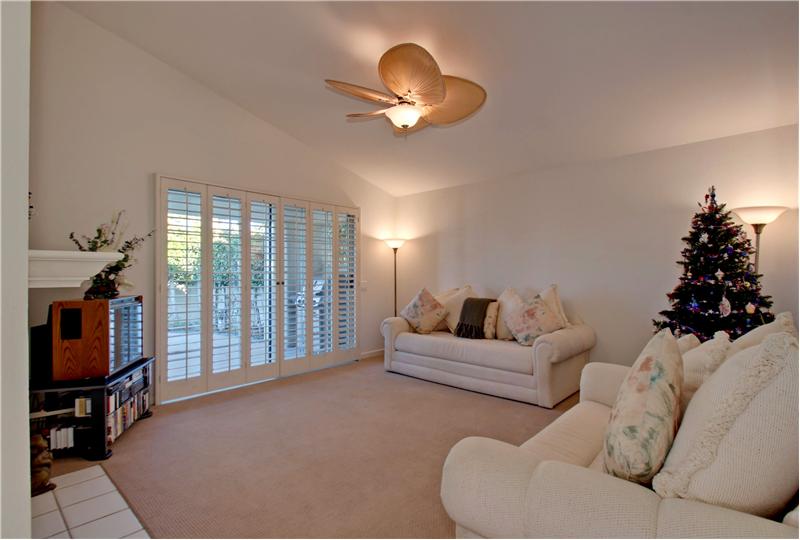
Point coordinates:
pixel 48 268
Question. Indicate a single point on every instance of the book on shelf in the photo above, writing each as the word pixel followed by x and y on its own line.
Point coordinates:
pixel 61 437
pixel 83 407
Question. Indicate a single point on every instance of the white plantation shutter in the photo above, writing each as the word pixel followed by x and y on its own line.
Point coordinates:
pixel 295 272
pixel 347 275
pixel 251 286
pixel 322 316
pixel 264 274
pixel 226 283
pixel 184 234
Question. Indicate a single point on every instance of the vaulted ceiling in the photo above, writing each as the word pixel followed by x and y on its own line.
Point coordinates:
pixel 566 82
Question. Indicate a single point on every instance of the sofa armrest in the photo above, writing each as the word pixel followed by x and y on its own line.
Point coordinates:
pixel 683 518
pixel 600 382
pixel 484 484
pixel 568 501
pixel 390 329
pixel 563 344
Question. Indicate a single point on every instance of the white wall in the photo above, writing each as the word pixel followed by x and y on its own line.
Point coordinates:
pixel 607 232
pixel 105 116
pixel 15 506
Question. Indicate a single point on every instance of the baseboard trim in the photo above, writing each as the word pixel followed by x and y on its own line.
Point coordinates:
pixel 370 354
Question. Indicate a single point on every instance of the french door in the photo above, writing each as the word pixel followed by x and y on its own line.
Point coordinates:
pixel 251 286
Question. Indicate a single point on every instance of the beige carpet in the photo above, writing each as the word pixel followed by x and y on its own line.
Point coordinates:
pixel 351 451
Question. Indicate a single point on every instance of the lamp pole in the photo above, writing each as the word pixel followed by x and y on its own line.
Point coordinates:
pixel 395 280
pixel 395 244
pixel 758 227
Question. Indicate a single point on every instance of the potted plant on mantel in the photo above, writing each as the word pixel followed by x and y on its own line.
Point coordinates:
pixel 108 237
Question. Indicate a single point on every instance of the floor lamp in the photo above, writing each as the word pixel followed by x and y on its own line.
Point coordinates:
pixel 759 217
pixel 395 244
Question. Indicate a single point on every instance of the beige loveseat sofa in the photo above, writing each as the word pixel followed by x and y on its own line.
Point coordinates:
pixel 543 374
pixel 553 485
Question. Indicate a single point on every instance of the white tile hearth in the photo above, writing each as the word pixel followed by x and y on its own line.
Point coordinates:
pixel 85 504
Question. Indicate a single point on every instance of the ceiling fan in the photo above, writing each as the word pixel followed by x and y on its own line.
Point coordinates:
pixel 421 95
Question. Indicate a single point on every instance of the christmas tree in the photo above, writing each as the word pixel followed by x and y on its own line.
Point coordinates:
pixel 719 289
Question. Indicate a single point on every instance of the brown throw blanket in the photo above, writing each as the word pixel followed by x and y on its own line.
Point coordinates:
pixel 470 322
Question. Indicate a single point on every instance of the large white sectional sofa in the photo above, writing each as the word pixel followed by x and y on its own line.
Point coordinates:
pixel 543 374
pixel 553 485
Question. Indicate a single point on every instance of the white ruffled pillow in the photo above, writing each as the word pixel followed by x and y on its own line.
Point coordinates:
pixel 737 445
pixel 424 312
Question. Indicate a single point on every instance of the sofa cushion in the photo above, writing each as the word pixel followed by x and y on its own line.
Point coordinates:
pixel 491 353
pixel 576 437
pixel 783 323
pixel 737 446
pixel 424 312
pixel 700 363
pixel 645 416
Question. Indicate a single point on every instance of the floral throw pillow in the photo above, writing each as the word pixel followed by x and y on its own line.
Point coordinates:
pixel 424 312
pixel 645 416
pixel 528 319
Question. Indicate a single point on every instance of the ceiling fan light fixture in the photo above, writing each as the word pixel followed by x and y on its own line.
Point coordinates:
pixel 404 115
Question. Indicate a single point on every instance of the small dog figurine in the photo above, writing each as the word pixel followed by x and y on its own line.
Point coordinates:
pixel 41 463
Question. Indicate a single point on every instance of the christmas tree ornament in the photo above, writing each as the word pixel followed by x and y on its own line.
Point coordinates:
pixel 719 289
pixel 724 307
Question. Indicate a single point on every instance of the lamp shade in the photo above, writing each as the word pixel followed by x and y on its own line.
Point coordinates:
pixel 404 115
pixel 394 243
pixel 759 215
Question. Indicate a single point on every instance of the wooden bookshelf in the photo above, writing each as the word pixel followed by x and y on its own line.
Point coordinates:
pixel 117 401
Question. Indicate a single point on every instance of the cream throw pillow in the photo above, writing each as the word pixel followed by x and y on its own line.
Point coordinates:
pixel 550 295
pixel 700 363
pixel 737 446
pixel 424 312
pixel 442 297
pixel 687 343
pixel 503 306
pixel 783 323
pixel 529 319
pixel 453 305
pixel 490 322
pixel 646 413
